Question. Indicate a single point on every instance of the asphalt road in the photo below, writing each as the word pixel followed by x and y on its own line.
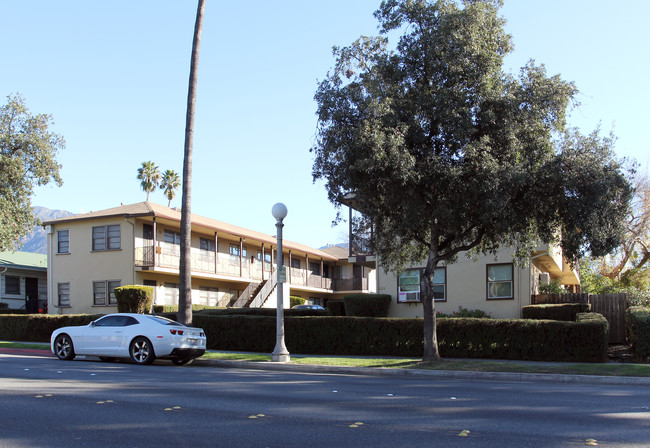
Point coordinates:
pixel 45 402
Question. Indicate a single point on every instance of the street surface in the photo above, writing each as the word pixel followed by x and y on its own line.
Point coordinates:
pixel 45 402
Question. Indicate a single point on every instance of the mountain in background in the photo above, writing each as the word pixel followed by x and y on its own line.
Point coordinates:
pixel 36 241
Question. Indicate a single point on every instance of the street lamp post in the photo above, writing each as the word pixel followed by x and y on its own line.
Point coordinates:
pixel 280 352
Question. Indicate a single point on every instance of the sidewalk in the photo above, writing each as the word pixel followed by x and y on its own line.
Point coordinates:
pixel 395 372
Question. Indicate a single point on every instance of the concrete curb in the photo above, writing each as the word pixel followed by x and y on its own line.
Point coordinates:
pixel 382 371
pixel 419 373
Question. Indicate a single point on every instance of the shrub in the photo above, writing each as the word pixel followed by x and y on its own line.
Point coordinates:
pixel 335 307
pixel 551 288
pixel 39 327
pixel 464 312
pixel 174 308
pixel 134 298
pixel 367 305
pixel 555 311
pixel 637 328
pixel 536 340
pixel 294 300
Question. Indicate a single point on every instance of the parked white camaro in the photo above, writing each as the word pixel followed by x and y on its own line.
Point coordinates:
pixel 141 337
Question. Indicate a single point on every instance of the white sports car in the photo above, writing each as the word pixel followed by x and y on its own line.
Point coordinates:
pixel 141 337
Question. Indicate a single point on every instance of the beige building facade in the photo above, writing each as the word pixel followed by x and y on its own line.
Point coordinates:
pixel 493 284
pixel 139 244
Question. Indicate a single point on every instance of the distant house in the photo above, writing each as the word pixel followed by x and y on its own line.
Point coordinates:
pixel 23 281
pixel 494 284
pixel 91 254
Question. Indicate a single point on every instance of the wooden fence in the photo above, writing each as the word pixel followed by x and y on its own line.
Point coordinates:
pixel 612 306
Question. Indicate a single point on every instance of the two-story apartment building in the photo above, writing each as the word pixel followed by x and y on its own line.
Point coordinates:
pixel 91 254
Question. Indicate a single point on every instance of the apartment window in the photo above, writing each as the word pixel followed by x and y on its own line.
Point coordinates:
pixel 172 237
pixel 106 237
pixel 314 267
pixel 499 281
pixel 208 296
pixel 63 242
pixel 104 292
pixel 63 292
pixel 295 263
pixel 236 252
pixel 12 285
pixel 171 293
pixel 408 285
pixel 206 245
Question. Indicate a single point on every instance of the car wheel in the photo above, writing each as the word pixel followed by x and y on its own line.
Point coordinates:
pixel 141 351
pixel 182 362
pixel 63 347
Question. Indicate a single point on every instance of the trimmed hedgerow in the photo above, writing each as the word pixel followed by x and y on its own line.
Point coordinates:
pixel 520 339
pixel 335 307
pixel 367 305
pixel 39 327
pixel 637 328
pixel 560 311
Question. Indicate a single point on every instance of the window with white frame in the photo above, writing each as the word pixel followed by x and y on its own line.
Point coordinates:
pixel 500 281
pixel 408 285
pixel 208 296
pixel 104 292
pixel 171 293
pixel 63 293
pixel 106 238
pixel 63 241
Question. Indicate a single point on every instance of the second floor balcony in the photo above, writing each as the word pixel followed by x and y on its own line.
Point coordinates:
pixel 167 257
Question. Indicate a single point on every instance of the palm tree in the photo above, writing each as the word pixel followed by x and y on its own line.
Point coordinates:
pixel 149 176
pixel 169 183
pixel 185 273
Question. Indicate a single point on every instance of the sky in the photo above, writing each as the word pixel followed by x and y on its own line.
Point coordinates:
pixel 114 77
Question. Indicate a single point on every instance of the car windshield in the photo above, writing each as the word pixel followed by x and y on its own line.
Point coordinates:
pixel 164 321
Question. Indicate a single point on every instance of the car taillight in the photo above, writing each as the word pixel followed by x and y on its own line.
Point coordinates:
pixel 178 332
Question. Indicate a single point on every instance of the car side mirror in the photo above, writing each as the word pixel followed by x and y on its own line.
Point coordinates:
pixel 92 324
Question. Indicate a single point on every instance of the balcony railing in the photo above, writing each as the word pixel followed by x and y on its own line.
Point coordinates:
pixel 168 256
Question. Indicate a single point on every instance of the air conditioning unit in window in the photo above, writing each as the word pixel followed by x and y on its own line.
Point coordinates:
pixel 409 296
pixel 412 296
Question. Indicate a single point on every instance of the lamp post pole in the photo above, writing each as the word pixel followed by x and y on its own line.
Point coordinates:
pixel 280 353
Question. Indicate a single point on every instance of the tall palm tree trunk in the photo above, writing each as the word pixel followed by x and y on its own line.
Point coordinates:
pixel 185 280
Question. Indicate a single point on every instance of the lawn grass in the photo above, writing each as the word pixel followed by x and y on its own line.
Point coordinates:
pixel 622 369
pixel 472 365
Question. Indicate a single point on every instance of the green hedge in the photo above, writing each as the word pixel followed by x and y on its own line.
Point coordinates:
pixel 637 327
pixel 335 307
pixel 295 300
pixel 560 311
pixel 367 305
pixel 536 340
pixel 518 339
pixel 39 327
pixel 134 298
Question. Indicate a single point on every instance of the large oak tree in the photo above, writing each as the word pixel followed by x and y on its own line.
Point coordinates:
pixel 28 150
pixel 446 153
